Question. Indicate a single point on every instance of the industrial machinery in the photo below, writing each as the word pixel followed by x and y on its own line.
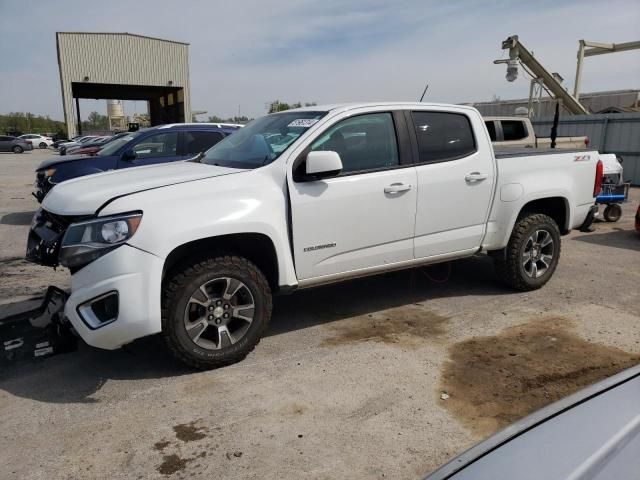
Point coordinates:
pixel 552 83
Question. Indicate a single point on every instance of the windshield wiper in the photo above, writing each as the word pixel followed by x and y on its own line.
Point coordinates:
pixel 198 158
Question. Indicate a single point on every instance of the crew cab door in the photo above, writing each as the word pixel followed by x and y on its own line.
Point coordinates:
pixel 160 147
pixel 364 216
pixel 456 174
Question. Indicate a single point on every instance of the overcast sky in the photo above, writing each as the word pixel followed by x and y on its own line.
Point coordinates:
pixel 246 53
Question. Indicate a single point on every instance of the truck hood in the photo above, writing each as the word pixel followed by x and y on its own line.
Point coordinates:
pixel 58 160
pixel 85 195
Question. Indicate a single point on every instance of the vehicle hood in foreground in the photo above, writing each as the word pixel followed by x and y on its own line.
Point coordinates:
pixel 85 195
pixel 58 160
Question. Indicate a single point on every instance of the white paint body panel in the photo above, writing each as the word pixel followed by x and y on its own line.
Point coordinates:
pixel 441 217
pixel 452 207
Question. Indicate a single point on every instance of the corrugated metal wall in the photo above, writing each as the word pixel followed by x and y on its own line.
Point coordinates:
pixel 612 133
pixel 119 58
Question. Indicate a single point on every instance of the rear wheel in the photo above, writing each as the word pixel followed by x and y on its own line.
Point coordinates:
pixel 612 213
pixel 43 145
pixel 17 149
pixel 214 311
pixel 532 254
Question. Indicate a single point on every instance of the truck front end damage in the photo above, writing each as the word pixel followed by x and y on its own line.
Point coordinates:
pixel 115 287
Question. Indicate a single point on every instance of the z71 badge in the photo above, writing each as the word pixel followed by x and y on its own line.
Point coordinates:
pixel 582 158
pixel 319 247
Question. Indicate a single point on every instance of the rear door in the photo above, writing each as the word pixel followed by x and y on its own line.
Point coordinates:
pixel 456 173
pixel 161 147
pixel 364 217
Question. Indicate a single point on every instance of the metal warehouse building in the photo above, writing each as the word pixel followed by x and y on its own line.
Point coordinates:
pixel 124 66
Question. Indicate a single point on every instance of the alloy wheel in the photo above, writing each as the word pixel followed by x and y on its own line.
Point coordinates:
pixel 537 254
pixel 219 313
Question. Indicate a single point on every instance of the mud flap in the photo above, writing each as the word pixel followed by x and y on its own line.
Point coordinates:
pixel 37 333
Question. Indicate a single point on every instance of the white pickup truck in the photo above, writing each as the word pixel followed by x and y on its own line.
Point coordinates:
pixel 519 132
pixel 306 197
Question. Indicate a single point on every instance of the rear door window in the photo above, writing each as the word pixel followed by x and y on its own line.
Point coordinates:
pixel 158 145
pixel 200 141
pixel 443 136
pixel 513 130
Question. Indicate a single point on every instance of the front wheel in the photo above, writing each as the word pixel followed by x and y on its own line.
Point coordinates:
pixel 532 254
pixel 214 311
pixel 43 145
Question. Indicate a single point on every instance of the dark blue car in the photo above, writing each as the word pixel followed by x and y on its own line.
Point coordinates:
pixel 166 143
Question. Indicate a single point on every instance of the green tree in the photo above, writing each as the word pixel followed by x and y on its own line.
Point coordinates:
pixel 237 119
pixel 21 122
pixel 278 106
pixel 95 121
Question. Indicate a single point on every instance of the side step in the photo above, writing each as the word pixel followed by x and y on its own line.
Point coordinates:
pixel 39 332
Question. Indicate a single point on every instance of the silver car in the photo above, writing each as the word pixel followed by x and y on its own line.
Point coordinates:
pixel 14 144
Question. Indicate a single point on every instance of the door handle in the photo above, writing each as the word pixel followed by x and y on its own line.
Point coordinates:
pixel 397 188
pixel 474 177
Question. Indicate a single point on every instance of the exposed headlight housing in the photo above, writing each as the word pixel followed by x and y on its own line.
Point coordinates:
pixel 48 173
pixel 84 242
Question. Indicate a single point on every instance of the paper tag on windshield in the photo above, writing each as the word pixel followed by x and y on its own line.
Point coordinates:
pixel 303 122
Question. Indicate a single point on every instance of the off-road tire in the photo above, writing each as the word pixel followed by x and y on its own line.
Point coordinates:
pixel 508 264
pixel 612 213
pixel 18 149
pixel 179 285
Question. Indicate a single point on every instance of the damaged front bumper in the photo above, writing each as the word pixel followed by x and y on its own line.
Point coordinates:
pixel 39 332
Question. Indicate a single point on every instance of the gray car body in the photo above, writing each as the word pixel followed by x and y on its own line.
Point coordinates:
pixel 592 434
pixel 7 143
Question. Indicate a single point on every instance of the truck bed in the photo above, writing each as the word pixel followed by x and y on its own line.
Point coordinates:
pixel 507 152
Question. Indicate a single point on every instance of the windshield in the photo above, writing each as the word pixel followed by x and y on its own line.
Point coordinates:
pixel 261 141
pixel 114 145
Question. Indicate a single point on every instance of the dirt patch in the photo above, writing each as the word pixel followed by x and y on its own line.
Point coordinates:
pixel 405 326
pixel 294 409
pixel 160 446
pixel 172 464
pixel 188 432
pixel 19 278
pixel 489 382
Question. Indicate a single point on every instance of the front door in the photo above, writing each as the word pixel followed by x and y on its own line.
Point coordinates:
pixel 364 217
pixel 455 182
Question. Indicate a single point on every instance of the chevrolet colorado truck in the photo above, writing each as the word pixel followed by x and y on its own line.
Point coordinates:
pixel 518 132
pixel 195 249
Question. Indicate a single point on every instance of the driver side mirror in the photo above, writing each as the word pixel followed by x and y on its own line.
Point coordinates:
pixel 323 164
pixel 129 155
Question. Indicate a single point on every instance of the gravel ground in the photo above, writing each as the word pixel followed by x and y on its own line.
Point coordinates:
pixel 385 377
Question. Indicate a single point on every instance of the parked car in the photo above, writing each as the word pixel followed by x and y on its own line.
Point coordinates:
pixel 36 140
pixel 60 141
pixel 14 144
pixel 89 147
pixel 518 132
pixel 63 147
pixel 195 249
pixel 161 144
pixel 592 434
